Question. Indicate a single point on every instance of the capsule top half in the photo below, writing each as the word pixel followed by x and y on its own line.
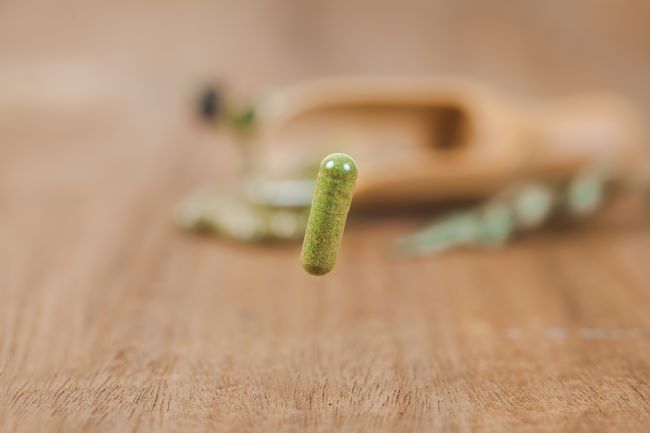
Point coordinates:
pixel 335 184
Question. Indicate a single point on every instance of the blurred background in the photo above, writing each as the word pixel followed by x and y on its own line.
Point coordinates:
pixel 94 94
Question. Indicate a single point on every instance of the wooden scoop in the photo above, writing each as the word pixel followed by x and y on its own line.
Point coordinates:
pixel 428 140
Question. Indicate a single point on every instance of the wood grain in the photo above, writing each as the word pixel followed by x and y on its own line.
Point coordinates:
pixel 113 320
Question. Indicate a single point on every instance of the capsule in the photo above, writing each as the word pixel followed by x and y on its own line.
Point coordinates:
pixel 329 210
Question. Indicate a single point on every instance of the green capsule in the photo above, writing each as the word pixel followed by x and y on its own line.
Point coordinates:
pixel 329 209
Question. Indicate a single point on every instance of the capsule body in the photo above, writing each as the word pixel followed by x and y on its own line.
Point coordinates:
pixel 329 210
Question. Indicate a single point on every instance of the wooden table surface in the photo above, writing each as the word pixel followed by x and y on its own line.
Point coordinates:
pixel 113 320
